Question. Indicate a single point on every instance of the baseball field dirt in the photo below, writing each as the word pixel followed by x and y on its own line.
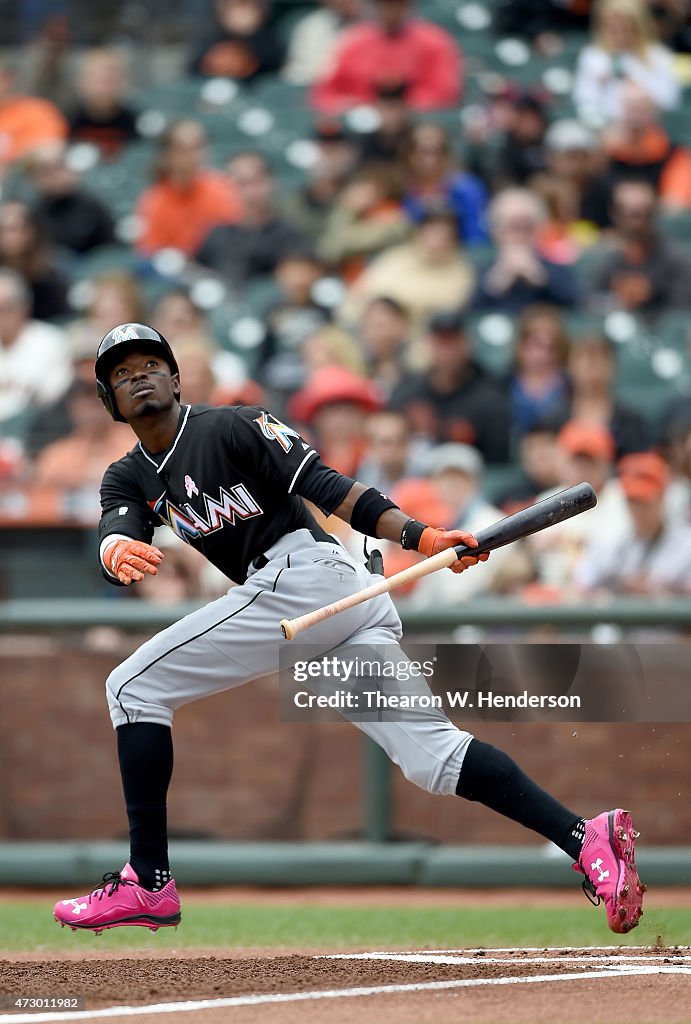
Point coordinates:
pixel 611 981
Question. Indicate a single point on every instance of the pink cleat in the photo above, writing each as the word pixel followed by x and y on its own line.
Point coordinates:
pixel 121 900
pixel 607 861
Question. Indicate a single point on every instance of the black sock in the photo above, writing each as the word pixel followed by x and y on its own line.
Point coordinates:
pixel 491 777
pixel 145 750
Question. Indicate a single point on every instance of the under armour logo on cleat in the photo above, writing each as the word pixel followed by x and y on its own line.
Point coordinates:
pixel 77 907
pixel 597 866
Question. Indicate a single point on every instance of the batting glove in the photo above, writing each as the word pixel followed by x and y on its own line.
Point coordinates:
pixel 435 539
pixel 128 560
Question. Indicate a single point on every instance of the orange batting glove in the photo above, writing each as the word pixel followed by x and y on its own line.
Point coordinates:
pixel 436 539
pixel 128 560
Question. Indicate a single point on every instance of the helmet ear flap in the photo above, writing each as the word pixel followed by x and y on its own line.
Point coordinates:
pixel 106 395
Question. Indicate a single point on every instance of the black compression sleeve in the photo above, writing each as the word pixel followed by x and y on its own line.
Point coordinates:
pixel 323 485
pixel 367 509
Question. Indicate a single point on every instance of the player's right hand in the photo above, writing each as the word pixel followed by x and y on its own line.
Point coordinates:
pixel 128 560
pixel 436 539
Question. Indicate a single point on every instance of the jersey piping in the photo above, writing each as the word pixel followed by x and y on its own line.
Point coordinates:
pixel 175 442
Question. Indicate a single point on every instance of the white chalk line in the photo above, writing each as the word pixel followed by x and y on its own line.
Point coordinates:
pixel 436 958
pixel 345 993
pixel 535 949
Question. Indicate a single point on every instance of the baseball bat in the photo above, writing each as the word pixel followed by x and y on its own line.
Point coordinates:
pixel 543 514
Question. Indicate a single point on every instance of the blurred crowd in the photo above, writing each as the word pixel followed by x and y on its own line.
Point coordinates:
pixel 469 292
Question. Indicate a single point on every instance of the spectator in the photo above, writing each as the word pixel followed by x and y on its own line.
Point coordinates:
pixel 678 456
pixel 243 44
pixel 24 248
pixel 188 199
pixel 115 300
pixel 77 462
pixel 255 244
pixel 365 219
pixel 315 36
pixel 195 357
pixel 538 387
pixel 433 181
pixel 454 399
pixel 101 115
pixel 519 275
pixel 428 272
pixel 673 23
pixel 540 468
pixel 332 405
pixel 521 152
pixel 176 316
pixel 587 453
pixel 639 147
pixel 456 471
pixel 391 455
pixel 331 346
pixel 537 21
pixel 639 269
pixel 393 44
pixel 651 554
pixel 73 218
pixel 624 48
pixel 291 320
pixel 577 165
pixel 385 336
pixel 592 371
pixel 336 155
pixel 34 363
pixel 25 121
pixel 394 120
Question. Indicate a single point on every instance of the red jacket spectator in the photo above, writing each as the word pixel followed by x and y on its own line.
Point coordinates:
pixel 392 47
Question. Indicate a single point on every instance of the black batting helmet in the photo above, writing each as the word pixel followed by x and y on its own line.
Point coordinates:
pixel 122 339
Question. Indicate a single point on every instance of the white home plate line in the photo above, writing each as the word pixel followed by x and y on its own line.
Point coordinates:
pixel 435 958
pixel 344 993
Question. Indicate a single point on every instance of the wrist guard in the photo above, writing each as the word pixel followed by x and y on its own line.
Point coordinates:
pixel 411 534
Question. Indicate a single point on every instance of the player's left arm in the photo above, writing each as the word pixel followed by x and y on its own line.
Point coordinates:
pixel 282 455
pixel 372 513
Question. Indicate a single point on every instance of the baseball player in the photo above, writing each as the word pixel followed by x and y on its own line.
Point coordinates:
pixel 231 481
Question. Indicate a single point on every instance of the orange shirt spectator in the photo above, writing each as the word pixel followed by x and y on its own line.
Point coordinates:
pixel 392 46
pixel 78 461
pixel 181 217
pixel 655 157
pixel 25 123
pixel 637 146
pixel 188 200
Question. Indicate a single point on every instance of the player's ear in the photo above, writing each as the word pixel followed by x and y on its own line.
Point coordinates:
pixel 175 380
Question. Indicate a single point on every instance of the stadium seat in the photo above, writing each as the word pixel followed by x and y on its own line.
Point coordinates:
pixel 492 335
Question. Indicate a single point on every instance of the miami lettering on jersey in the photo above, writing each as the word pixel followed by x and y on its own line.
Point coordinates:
pixel 274 430
pixel 235 503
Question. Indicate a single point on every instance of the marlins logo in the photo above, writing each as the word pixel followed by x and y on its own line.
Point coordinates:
pixel 274 430
pixel 233 506
pixel 128 332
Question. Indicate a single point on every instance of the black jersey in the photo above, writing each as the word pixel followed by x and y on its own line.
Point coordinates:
pixel 230 483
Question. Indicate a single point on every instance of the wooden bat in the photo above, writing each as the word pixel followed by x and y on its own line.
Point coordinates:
pixel 555 509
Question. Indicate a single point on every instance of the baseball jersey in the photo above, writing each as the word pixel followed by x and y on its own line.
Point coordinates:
pixel 230 483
